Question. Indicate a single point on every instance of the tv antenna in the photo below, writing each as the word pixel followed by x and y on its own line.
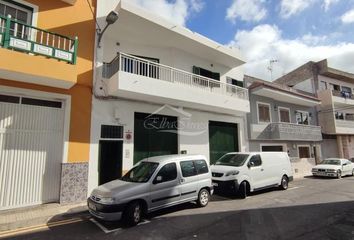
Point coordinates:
pixel 270 67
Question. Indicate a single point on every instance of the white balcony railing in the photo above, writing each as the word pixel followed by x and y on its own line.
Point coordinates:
pixel 139 66
pixel 345 123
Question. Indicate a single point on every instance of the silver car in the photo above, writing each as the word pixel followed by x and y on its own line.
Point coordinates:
pixel 152 184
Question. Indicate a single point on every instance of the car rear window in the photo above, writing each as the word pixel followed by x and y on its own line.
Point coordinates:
pixel 201 166
pixel 188 168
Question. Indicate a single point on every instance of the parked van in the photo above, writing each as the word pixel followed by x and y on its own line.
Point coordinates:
pixel 247 172
pixel 152 184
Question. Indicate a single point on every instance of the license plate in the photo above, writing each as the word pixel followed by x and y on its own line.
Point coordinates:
pixel 215 184
pixel 92 206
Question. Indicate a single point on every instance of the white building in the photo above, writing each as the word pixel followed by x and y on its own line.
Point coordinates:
pixel 161 89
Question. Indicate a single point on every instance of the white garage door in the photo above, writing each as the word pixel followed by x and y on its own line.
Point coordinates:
pixel 31 146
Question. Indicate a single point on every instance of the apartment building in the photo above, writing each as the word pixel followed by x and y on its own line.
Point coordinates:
pixel 46 51
pixel 161 89
pixel 336 112
pixel 284 119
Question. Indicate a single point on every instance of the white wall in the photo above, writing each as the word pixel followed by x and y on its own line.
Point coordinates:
pixel 306 86
pixel 103 112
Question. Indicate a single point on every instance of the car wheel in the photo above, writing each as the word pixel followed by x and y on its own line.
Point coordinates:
pixel 284 183
pixel 203 198
pixel 353 173
pixel 242 190
pixel 133 213
pixel 339 174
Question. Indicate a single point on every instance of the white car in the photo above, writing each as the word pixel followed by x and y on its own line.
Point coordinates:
pixel 334 167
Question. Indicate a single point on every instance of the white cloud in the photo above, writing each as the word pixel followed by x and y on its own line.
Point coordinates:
pixel 177 11
pixel 328 3
pixel 265 42
pixel 293 7
pixel 246 10
pixel 348 17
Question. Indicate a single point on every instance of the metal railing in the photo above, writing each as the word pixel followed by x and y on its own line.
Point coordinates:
pixel 20 36
pixel 292 131
pixel 139 66
pixel 344 123
pixel 342 94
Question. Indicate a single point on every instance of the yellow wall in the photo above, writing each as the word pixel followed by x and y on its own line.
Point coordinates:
pixel 71 20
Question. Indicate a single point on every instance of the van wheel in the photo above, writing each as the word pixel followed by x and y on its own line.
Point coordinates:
pixel 133 213
pixel 243 190
pixel 353 173
pixel 284 183
pixel 203 198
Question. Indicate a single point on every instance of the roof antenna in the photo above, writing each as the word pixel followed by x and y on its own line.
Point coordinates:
pixel 270 68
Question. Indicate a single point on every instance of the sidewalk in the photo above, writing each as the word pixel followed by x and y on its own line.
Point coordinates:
pixel 42 214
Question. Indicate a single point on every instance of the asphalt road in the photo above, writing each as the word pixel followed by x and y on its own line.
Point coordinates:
pixel 309 209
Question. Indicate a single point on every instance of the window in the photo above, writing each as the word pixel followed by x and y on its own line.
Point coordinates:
pixel 346 89
pixel 188 169
pixel 284 115
pixel 138 65
pixel 206 73
pixel 304 152
pixel 167 172
pixel 108 131
pixel 9 99
pixel 272 148
pixel 17 11
pixel 302 118
pixel 263 112
pixel 339 115
pixel 234 82
pixel 201 166
pixel 40 102
pixel 256 160
pixel 349 116
pixel 334 87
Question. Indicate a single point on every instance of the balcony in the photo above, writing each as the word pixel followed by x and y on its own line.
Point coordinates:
pixel 344 126
pixel 139 79
pixel 28 49
pixel 286 132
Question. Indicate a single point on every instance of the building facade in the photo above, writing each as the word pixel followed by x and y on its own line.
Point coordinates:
pixel 336 113
pixel 161 89
pixel 283 119
pixel 46 68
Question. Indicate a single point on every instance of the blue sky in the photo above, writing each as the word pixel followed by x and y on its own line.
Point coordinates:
pixel 289 31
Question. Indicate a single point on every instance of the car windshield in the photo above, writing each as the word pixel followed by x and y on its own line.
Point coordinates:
pixel 235 160
pixel 331 162
pixel 140 173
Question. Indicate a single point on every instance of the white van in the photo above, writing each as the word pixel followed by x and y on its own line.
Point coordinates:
pixel 247 172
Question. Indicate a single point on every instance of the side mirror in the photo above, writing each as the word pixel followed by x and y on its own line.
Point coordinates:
pixel 250 164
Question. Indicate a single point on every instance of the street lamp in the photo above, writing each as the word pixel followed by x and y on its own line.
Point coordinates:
pixel 111 18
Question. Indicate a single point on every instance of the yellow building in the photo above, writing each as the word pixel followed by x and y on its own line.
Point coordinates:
pixel 46 71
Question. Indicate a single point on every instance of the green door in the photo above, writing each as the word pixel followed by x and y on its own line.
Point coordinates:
pixel 223 138
pixel 154 135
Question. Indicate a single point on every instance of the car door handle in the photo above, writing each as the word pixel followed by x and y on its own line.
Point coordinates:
pixel 182 180
pixel 262 169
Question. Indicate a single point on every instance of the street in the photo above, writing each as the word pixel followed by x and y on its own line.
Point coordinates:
pixel 311 208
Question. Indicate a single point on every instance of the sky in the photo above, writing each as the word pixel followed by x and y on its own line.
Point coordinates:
pixel 280 35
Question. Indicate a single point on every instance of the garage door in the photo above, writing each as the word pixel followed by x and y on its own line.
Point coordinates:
pixel 154 135
pixel 31 146
pixel 223 138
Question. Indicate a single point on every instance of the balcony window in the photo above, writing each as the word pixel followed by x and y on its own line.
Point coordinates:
pixel 302 118
pixel 263 112
pixel 284 114
pixel 339 115
pixel 206 73
pixel 349 116
pixel 304 152
pixel 323 85
pixel 140 67
pixel 334 87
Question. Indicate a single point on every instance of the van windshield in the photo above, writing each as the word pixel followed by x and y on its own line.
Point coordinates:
pixel 235 160
pixel 140 173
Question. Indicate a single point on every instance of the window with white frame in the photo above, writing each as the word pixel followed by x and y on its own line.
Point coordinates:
pixel 304 152
pixel 284 114
pixel 17 11
pixel 263 112
pixel 302 117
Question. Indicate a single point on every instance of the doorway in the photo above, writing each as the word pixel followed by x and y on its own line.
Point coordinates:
pixel 110 160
